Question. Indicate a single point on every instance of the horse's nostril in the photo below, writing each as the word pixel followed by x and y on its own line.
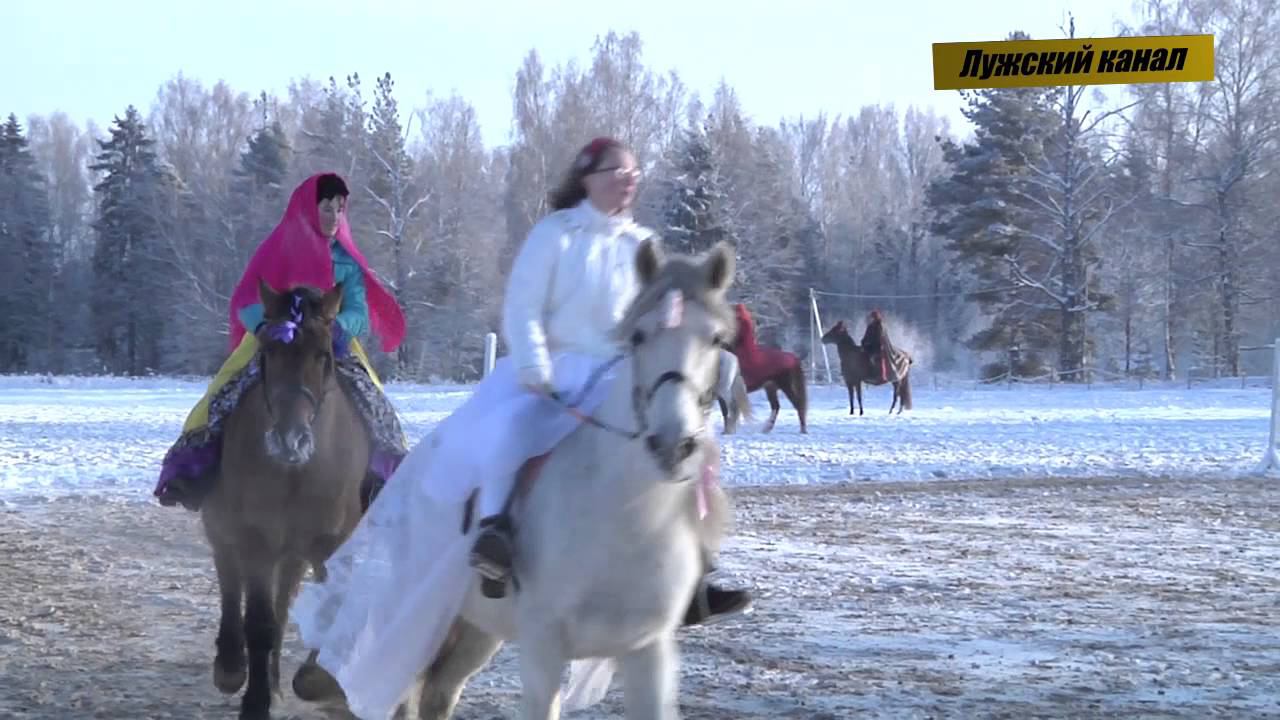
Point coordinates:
pixel 651 442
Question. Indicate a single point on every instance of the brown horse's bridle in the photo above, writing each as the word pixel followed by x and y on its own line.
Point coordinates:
pixel 316 402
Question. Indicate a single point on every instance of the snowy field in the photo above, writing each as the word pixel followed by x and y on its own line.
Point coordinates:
pixel 80 436
pixel 995 553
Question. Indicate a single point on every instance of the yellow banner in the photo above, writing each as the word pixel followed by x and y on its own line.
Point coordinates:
pixel 1077 61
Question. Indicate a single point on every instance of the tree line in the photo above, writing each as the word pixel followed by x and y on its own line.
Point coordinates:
pixel 1065 235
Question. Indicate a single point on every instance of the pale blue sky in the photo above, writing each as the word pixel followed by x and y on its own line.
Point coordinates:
pixel 783 58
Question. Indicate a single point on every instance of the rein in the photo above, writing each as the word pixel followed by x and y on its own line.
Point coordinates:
pixel 704 400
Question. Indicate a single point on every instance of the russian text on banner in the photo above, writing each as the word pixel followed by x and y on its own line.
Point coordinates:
pixel 1075 61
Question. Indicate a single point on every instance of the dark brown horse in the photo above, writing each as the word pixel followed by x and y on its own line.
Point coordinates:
pixel 770 368
pixel 856 367
pixel 293 457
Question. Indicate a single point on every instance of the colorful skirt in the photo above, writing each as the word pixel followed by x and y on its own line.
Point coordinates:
pixel 198 449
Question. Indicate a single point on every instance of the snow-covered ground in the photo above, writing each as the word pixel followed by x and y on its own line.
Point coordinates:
pixel 1003 553
pixel 64 436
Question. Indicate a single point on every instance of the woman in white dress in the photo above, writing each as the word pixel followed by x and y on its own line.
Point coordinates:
pixel 571 282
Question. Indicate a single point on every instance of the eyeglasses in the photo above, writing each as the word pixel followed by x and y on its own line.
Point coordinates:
pixel 620 172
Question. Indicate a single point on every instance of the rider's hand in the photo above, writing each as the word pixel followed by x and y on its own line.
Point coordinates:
pixel 536 379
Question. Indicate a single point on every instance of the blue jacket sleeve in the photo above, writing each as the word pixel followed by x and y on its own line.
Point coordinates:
pixel 250 316
pixel 354 315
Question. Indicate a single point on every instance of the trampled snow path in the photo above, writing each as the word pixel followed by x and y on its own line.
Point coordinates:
pixel 102 435
pixel 1009 598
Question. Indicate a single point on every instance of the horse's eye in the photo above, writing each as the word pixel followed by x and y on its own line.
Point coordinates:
pixel 718 340
pixel 637 337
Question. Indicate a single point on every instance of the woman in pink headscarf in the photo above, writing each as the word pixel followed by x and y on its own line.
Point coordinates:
pixel 311 246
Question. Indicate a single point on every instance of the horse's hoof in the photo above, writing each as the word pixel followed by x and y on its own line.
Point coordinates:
pixel 313 683
pixel 228 682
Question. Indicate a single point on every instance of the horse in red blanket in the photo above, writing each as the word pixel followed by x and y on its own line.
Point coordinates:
pixel 771 368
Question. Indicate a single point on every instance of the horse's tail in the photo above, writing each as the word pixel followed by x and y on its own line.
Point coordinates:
pixel 801 388
pixel 904 391
pixel 741 400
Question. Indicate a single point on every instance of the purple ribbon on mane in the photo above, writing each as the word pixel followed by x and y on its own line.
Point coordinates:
pixel 285 330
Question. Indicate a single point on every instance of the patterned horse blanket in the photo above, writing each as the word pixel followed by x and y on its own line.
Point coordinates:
pixel 898 365
pixel 198 451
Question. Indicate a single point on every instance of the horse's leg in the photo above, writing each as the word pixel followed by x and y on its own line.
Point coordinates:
pixel 849 385
pixel 260 633
pixel 443 682
pixel 228 664
pixel 860 408
pixel 894 404
pixel 650 680
pixel 724 412
pixel 288 578
pixel 542 663
pixel 311 682
pixel 794 390
pixel 771 391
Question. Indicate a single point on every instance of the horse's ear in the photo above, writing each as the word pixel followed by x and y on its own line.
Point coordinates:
pixel 720 265
pixel 331 303
pixel 268 297
pixel 648 259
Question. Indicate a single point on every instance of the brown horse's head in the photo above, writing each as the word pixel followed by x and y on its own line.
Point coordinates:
pixel 836 332
pixel 296 366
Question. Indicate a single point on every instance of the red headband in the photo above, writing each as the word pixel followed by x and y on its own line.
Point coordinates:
pixel 591 152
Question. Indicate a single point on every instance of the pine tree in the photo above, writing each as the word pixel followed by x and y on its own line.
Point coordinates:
pixel 128 258
pixel 259 193
pixel 26 244
pixel 977 208
pixel 392 187
pixel 695 199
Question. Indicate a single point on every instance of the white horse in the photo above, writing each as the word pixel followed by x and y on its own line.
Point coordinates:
pixel 613 534
pixel 731 393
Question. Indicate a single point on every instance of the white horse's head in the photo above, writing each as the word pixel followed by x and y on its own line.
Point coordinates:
pixel 675 329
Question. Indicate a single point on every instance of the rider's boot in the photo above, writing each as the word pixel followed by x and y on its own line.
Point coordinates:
pixel 492 555
pixel 712 604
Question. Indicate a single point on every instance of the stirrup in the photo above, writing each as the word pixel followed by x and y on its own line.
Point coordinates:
pixel 491 556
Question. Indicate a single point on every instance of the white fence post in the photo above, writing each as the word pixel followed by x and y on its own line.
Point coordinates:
pixel 490 352
pixel 815 339
pixel 1270 461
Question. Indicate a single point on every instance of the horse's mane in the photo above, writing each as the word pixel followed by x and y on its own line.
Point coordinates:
pixel 689 276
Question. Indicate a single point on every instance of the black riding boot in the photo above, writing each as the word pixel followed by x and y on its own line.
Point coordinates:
pixel 711 604
pixel 492 555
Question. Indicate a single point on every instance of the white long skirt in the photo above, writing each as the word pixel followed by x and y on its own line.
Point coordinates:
pixel 396 585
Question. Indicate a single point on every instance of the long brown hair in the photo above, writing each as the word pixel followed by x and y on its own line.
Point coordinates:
pixel 571 190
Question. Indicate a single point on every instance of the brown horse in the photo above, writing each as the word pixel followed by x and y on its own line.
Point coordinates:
pixel 855 366
pixel 293 457
pixel 770 368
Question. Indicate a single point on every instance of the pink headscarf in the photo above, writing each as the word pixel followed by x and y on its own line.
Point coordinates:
pixel 297 253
